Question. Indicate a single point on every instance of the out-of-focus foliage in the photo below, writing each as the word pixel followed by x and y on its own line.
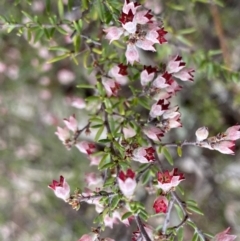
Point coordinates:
pixel 43 59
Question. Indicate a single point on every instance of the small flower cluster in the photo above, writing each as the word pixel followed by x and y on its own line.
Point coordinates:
pixel 117 77
pixel 64 134
pixel 141 29
pixel 166 181
pixel 222 142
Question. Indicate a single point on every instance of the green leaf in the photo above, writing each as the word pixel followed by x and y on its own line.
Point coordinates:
pixel 143 215
pixel 61 30
pixel 99 133
pixel 179 151
pixel 38 34
pixel 107 165
pixel 180 234
pixel 58 48
pixel 179 211
pixel 60 9
pixel 105 159
pixel 126 215
pixel 195 209
pixel 190 223
pixel 109 182
pixel 167 155
pixel 115 201
pixel 195 237
pixel 83 86
pixel 58 58
pixel 176 7
pixel 144 102
pixel 78 25
pixel 28 16
pixel 186 31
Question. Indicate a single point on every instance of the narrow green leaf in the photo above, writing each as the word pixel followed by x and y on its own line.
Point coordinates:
pixel 28 16
pixel 58 48
pixel 38 34
pixel 60 9
pixel 126 215
pixel 179 151
pixel 83 86
pixel 77 43
pixel 78 25
pixel 195 209
pixel 61 30
pixel 144 102
pixel 191 224
pixel 108 165
pixel 99 133
pixel 143 215
pixel 180 234
pixel 167 155
pixel 48 6
pixel 195 237
pixel 115 200
pixel 105 159
pixel 58 58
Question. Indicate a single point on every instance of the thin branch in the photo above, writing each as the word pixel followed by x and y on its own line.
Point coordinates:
pixel 181 205
pixel 167 218
pixel 141 228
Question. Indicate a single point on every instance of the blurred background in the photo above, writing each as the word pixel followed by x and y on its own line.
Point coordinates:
pixel 35 97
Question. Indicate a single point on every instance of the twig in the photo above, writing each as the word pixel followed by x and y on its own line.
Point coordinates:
pixel 167 218
pixel 141 228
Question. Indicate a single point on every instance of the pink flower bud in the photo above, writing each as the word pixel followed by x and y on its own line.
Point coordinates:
pixel 128 132
pixel 127 182
pixel 86 147
pixel 71 123
pixel 160 204
pixel 61 188
pixel 143 154
pixel 62 133
pixel 224 236
pixel 232 133
pixel 201 133
pixel 89 237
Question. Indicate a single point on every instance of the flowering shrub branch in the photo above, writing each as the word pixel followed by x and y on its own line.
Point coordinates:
pixel 129 129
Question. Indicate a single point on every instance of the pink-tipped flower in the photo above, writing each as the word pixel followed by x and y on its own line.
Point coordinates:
pixel 232 133
pixel 93 181
pixel 113 33
pixel 119 73
pixel 111 86
pixel 77 102
pixel 71 123
pixel 225 147
pixel 169 180
pixel 153 133
pixel 175 65
pixel 185 74
pixel 127 182
pixel 61 188
pixel 202 133
pixel 94 160
pixel 160 204
pixel 224 236
pixel 89 237
pixel 143 154
pixel 147 75
pixel 128 132
pixel 132 54
pixel 86 147
pixel 63 134
pixel 163 81
pixel 159 108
